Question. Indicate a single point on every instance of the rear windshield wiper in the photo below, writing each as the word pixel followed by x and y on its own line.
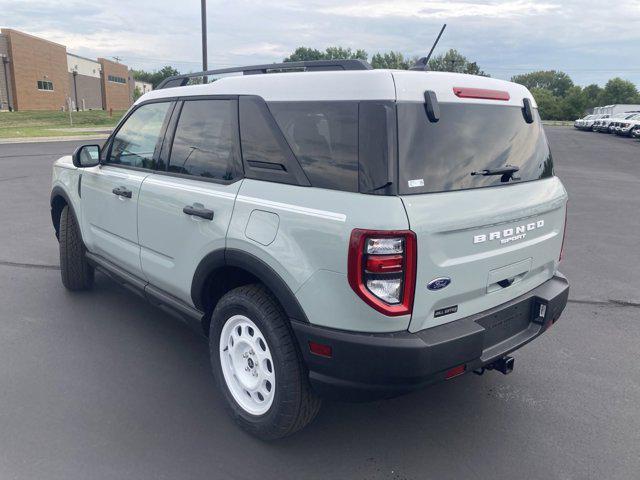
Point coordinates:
pixel 507 172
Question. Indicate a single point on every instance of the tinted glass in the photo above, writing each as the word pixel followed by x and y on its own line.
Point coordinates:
pixel 437 157
pixel 136 140
pixel 258 141
pixel 377 147
pixel 204 142
pixel 324 138
pixel 265 152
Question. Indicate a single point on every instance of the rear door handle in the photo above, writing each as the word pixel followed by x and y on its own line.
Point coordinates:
pixel 122 192
pixel 198 211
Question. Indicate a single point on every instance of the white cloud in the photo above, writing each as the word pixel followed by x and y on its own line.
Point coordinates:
pixel 589 40
pixel 440 10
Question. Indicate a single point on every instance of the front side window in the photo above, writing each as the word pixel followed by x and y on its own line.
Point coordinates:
pixel 204 144
pixel 135 143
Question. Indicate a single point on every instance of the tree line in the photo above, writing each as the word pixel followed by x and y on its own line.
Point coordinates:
pixel 557 96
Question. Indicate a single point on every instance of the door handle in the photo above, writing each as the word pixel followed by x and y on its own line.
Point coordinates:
pixel 122 192
pixel 198 211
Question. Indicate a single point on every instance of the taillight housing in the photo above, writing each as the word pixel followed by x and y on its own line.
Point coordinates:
pixel 382 269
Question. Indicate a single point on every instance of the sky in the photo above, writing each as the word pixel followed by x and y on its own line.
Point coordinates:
pixel 592 41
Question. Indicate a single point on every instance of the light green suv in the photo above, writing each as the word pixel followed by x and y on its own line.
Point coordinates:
pixel 334 230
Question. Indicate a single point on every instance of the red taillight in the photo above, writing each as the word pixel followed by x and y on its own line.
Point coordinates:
pixel 382 269
pixel 564 233
pixel 384 263
pixel 481 93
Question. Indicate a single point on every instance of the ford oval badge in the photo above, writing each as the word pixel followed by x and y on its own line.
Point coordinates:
pixel 438 283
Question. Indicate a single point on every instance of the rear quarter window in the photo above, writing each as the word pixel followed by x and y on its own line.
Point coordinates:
pixel 324 138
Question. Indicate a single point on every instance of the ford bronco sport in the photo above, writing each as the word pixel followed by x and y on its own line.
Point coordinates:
pixel 335 231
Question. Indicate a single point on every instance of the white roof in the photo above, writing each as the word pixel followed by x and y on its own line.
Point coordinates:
pixel 400 85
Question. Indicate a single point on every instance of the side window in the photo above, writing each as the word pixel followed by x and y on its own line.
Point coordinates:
pixel 324 138
pixel 135 142
pixel 204 144
pixel 266 154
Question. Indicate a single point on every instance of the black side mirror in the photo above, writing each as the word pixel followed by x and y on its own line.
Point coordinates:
pixel 86 156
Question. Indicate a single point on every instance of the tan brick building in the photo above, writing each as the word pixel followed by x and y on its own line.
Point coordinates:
pixel 39 79
pixel 36 74
pixel 115 85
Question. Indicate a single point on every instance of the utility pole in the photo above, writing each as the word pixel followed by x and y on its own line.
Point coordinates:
pixel 75 88
pixel 5 62
pixel 203 14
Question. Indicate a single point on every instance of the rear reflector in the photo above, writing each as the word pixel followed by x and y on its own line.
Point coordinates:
pixel 455 371
pixel 320 349
pixel 467 92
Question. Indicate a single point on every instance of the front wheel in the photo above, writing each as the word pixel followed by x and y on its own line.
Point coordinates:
pixel 76 272
pixel 257 365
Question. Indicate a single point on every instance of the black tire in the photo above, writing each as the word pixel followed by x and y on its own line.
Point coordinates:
pixel 294 404
pixel 76 272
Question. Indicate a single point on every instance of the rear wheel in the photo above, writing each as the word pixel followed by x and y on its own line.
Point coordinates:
pixel 76 272
pixel 257 365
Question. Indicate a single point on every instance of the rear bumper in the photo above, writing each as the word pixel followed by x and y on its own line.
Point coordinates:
pixel 369 366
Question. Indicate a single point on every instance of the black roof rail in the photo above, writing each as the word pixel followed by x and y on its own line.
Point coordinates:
pixel 308 66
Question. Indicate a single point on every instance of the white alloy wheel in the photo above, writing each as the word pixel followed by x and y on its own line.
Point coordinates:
pixel 247 365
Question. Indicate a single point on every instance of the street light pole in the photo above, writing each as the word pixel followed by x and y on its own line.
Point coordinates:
pixel 5 62
pixel 75 89
pixel 203 14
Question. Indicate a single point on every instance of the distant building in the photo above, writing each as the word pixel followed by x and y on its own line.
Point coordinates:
pixel 36 74
pixel 116 83
pixel 85 82
pixel 143 87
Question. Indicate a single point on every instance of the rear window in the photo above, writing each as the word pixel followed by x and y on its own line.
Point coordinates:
pixel 204 142
pixel 440 157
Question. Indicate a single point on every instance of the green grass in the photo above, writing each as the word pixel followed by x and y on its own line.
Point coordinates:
pixel 561 123
pixel 54 123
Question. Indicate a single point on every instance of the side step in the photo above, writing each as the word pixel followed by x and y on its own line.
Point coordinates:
pixel 153 295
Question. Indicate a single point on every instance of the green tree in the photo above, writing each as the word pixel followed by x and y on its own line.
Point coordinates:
pixel 136 93
pixel 592 95
pixel 618 90
pixel 156 76
pixel 549 105
pixel 337 53
pixel 392 60
pixel 454 61
pixel 574 104
pixel 558 83
pixel 331 53
pixel 451 61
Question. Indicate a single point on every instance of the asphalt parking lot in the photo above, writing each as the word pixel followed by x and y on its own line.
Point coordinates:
pixel 101 385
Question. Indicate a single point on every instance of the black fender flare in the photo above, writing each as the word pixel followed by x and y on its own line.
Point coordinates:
pixel 58 191
pixel 246 261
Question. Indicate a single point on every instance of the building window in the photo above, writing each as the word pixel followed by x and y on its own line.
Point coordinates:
pixel 45 85
pixel 113 78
